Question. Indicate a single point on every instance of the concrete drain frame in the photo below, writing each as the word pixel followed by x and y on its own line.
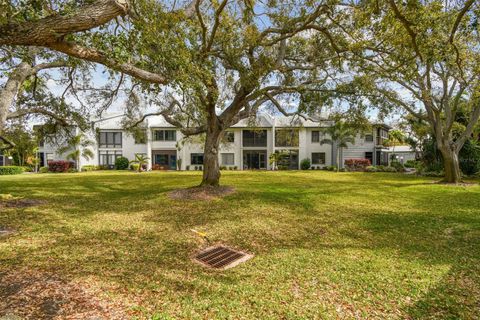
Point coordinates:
pixel 221 257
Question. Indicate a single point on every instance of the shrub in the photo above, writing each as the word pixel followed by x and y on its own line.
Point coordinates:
pixel 60 165
pixel 188 167
pixel 235 168
pixel 196 167
pixel 305 164
pixel 27 169
pixel 398 166
pixel 134 166
pixel 121 163
pixel 90 167
pixel 200 168
pixel 331 168
pixel 470 157
pixel 371 169
pixel 380 168
pixel 10 170
pixel 72 170
pixel 435 174
pixel 410 164
pixel 343 170
pixel 282 167
pixel 357 164
pixel 390 169
pixel 43 170
pixel 103 167
pixel 230 168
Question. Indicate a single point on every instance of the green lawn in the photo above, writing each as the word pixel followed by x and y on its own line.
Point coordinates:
pixel 326 245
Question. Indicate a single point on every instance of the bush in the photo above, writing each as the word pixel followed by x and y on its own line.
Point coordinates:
pixel 121 163
pixel 380 168
pixel 134 166
pixel 27 169
pixel 60 165
pixel 43 170
pixel 10 170
pixel 72 170
pixel 398 166
pixel 90 167
pixel 282 167
pixel 343 170
pixel 390 169
pixel 371 169
pixel 305 164
pixel 357 164
pixel 188 167
pixel 331 168
pixel 235 168
pixel 410 164
pixel 470 158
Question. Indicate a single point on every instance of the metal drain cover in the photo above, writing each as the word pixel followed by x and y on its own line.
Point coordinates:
pixel 221 257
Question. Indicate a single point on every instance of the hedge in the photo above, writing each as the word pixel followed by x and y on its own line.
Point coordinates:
pixel 10 170
pixel 60 166
pixel 357 164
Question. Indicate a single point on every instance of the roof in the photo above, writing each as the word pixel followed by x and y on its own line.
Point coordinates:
pixel 401 149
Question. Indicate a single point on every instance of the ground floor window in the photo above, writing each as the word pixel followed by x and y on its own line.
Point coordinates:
pixel 107 158
pixel 318 157
pixel 196 158
pixel 255 159
pixel 228 159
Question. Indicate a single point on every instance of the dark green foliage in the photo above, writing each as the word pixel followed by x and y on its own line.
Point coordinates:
pixel 398 166
pixel 470 157
pixel 10 170
pixel 122 163
pixel 305 164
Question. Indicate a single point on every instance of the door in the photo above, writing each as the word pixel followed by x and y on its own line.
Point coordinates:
pixel 166 161
pixel 255 159
pixel 173 162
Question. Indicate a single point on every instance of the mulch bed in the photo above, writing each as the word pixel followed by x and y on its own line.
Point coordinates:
pixel 39 295
pixel 201 193
pixel 21 203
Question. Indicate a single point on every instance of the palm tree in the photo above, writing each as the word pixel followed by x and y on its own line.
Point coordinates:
pixel 77 146
pixel 395 138
pixel 141 160
pixel 340 134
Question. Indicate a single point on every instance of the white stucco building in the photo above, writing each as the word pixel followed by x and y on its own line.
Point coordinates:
pixel 245 145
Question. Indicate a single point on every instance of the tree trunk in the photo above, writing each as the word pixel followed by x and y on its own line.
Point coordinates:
pixel 338 159
pixel 451 165
pixel 211 169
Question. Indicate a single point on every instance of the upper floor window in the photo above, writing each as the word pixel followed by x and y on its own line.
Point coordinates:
pixel 229 136
pixel 254 138
pixel 164 135
pixel 316 136
pixel 286 137
pixel 369 138
pixel 110 140
pixel 140 137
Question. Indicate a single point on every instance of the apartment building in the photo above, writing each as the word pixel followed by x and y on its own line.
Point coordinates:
pixel 245 145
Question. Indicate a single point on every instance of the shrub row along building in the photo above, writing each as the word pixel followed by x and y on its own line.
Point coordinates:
pixel 245 145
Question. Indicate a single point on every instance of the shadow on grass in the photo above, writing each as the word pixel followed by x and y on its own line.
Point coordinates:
pixel 432 225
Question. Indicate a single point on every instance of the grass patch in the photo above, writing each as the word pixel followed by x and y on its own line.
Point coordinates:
pixel 326 245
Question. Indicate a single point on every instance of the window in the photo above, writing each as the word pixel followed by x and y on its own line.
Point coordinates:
pixel 254 138
pixel 286 137
pixel 110 139
pixel 229 136
pixel 315 136
pixel 107 158
pixel 49 156
pixel 196 158
pixel 164 135
pixel 140 137
pixel 228 159
pixel 318 158
pixel 369 138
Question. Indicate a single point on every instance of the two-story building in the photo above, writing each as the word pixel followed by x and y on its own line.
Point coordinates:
pixel 245 145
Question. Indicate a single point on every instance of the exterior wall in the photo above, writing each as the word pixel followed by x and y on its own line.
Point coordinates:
pixel 358 149
pixel 307 147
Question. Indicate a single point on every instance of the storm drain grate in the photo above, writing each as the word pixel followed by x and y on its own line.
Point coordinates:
pixel 221 257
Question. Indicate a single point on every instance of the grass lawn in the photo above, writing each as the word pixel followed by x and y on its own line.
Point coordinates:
pixel 326 245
